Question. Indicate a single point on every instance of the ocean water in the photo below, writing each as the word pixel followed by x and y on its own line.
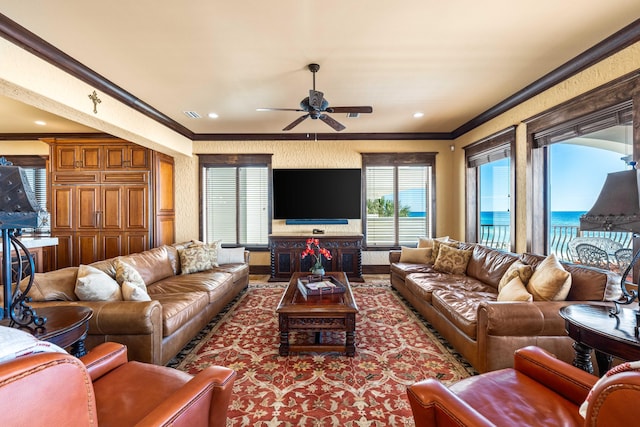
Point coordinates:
pixel 558 218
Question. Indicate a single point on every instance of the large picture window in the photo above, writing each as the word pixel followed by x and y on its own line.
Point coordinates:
pixel 399 194
pixel 235 199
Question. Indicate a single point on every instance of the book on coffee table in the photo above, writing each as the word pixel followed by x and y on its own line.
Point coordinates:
pixel 326 286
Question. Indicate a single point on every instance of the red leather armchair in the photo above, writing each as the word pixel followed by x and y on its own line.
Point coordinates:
pixel 103 388
pixel 539 390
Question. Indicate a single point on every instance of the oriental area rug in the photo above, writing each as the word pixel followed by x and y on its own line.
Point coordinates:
pixel 394 348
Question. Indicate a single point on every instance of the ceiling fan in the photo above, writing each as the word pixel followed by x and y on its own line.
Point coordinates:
pixel 316 107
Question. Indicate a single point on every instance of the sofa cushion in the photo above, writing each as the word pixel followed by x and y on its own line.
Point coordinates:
pixel 57 285
pixel 212 283
pixel 460 307
pixel 415 255
pixel 153 265
pixel 95 285
pixel 515 290
pixel 452 260
pixel 550 281
pixel 424 284
pixel 517 269
pixel 489 265
pixel 179 308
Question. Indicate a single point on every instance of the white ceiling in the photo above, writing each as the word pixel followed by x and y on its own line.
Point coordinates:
pixel 450 60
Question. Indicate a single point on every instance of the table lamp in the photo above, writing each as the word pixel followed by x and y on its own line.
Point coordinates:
pixel 618 209
pixel 18 209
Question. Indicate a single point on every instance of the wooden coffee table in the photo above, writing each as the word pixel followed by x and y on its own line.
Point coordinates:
pixel 317 314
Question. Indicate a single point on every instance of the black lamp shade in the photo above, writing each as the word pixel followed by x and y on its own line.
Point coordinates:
pixel 19 207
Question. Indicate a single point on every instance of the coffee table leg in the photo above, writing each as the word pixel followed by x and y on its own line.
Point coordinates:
pixel 284 335
pixel 78 349
pixel 350 344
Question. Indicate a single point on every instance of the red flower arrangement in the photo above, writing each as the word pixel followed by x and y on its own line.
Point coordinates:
pixel 313 248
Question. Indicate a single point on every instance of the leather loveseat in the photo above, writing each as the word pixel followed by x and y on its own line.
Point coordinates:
pixel 154 331
pixel 465 310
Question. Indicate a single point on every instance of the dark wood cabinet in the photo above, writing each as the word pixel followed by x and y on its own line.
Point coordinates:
pixel 104 197
pixel 286 250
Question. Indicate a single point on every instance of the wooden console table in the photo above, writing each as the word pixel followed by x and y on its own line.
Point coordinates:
pixel 346 254
pixel 592 327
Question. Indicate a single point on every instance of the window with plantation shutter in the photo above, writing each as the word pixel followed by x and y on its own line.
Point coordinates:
pixel 235 199
pixel 399 194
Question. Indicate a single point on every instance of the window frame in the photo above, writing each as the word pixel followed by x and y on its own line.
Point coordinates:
pixel 591 111
pixel 236 161
pixel 395 160
pixel 497 146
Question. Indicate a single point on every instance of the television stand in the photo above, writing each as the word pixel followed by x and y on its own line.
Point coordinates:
pixel 286 249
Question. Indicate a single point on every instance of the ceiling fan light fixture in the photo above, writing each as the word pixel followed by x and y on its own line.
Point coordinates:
pixel 353 115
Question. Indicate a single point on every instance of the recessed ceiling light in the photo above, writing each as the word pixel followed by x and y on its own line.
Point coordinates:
pixel 418 115
pixel 213 115
pixel 40 122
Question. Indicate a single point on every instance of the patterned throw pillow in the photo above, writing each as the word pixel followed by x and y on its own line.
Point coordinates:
pixel 452 260
pixel 427 242
pixel 95 285
pixel 437 244
pixel 127 273
pixel 199 258
pixel 514 291
pixel 517 269
pixel 415 255
pixel 550 281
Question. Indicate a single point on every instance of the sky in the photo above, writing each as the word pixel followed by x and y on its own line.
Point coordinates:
pixel 577 175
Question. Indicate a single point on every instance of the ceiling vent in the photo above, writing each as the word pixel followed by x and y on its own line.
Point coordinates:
pixel 192 114
pixel 353 115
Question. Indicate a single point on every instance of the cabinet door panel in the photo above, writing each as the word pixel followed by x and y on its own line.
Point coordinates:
pixel 138 158
pixel 88 202
pixel 111 213
pixel 62 208
pixel 137 206
pixel 115 157
pixel 136 242
pixel 65 158
pixel 91 157
pixel 86 250
pixel 64 250
pixel 111 245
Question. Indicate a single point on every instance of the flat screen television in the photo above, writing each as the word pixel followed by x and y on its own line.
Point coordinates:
pixel 314 195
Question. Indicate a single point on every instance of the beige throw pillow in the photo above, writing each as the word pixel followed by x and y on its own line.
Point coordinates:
pixel 95 285
pixel 550 281
pixel 427 242
pixel 452 260
pixel 517 269
pixel 515 290
pixel 415 255
pixel 133 292
pixel 230 255
pixel 127 273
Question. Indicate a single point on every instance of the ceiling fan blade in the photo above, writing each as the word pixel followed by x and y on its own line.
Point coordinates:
pixel 361 109
pixel 331 122
pixel 278 109
pixel 315 99
pixel 296 122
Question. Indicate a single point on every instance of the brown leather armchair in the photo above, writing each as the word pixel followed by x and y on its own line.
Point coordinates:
pixel 539 390
pixel 103 388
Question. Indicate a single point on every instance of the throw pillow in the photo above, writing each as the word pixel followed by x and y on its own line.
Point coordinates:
pixel 415 255
pixel 199 257
pixel 427 242
pixel 452 260
pixel 514 291
pixel 133 292
pixel 550 281
pixel 517 269
pixel 15 343
pixel 126 273
pixel 95 285
pixel 437 244
pixel 230 255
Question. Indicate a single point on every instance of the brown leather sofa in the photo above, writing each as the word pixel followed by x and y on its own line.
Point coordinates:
pixel 154 331
pixel 102 388
pixel 539 391
pixel 465 311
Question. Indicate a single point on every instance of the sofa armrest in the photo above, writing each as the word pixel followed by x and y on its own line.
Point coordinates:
pixel 104 358
pixel 212 387
pixel 540 318
pixel 394 256
pixel 567 380
pixel 433 404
